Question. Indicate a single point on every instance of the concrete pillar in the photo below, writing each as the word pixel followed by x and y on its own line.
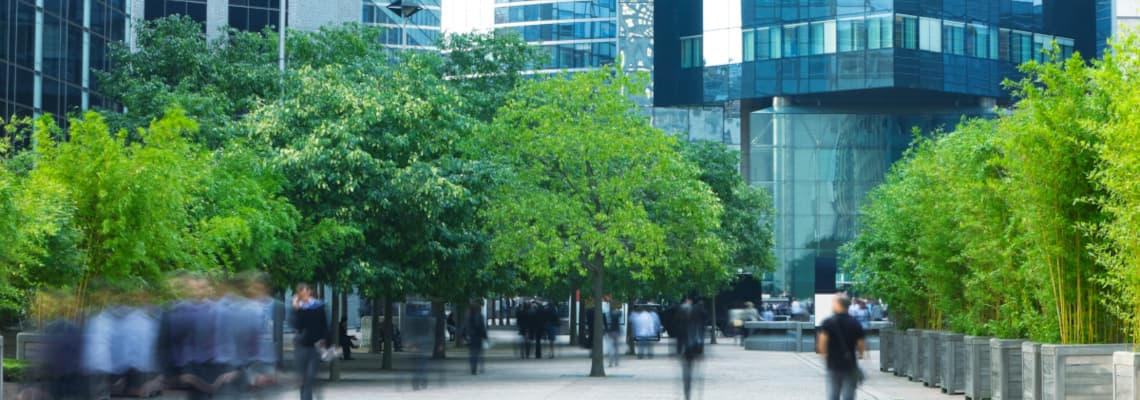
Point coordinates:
pixel 38 63
pixel 85 103
pixel 217 17
pixel 987 102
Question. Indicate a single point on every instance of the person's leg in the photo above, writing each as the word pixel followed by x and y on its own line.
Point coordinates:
pixel 834 385
pixel 475 349
pixel 538 345
pixel 849 384
pixel 306 368
pixel 687 375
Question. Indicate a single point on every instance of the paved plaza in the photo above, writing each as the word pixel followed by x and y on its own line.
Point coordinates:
pixel 729 372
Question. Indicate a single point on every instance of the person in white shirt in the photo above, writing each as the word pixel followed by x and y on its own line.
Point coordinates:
pixel 646 328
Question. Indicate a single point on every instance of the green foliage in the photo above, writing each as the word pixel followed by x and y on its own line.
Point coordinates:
pixel 14 370
pixel 1118 174
pixel 1020 226
pixel 484 68
pixel 746 225
pixel 595 191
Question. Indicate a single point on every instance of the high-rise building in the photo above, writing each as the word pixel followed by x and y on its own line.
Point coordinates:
pixel 1114 16
pixel 423 26
pixel 824 93
pixel 48 50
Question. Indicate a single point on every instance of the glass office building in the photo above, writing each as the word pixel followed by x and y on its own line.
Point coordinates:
pixel 48 50
pixel 828 91
pixel 577 34
pixel 423 27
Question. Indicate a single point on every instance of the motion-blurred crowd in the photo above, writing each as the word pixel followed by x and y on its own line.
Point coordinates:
pixel 212 338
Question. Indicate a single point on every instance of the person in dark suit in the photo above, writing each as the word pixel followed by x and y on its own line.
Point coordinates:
pixel 312 326
pixel 476 334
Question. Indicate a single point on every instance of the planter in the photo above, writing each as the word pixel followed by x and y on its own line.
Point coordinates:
pixel 1005 369
pixel 1125 375
pixel 1077 371
pixel 901 352
pixel 932 352
pixel 886 348
pixel 1031 371
pixel 916 361
pixel 977 367
pixel 953 363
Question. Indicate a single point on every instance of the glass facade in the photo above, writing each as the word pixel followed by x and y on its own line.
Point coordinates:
pixel 195 9
pixel 577 34
pixel 819 163
pixel 423 27
pixel 47 52
pixel 830 90
pixel 254 15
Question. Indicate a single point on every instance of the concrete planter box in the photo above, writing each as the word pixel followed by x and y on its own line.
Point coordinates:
pixel 1077 371
pixel 1125 376
pixel 1006 369
pixel 932 349
pixel 901 352
pixel 886 348
pixel 1031 371
pixel 977 367
pixel 915 352
pixel 953 363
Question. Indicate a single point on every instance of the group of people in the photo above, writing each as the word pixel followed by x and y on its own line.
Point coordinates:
pixel 214 340
pixel 537 322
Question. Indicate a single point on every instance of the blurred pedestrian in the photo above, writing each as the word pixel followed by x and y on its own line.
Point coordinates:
pixel 536 322
pixel 312 334
pixel 522 318
pixel 839 337
pixel 475 330
pixel 612 327
pixel 347 342
pixel 691 324
pixel 553 324
pixel 646 330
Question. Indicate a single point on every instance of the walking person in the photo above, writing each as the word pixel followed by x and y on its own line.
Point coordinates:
pixel 613 333
pixel 553 324
pixel 476 335
pixel 839 338
pixel 691 327
pixel 522 318
pixel 646 328
pixel 311 324
pixel 347 342
pixel 537 327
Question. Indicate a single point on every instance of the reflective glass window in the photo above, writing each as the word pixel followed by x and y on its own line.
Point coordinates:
pixel 906 32
pixel 850 34
pixel 691 52
pixel 1041 44
pixel 954 37
pixel 930 34
pixel 749 43
pixel 879 31
pixel 1020 47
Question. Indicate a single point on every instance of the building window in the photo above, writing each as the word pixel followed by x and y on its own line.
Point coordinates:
pixel 851 34
pixel 768 43
pixel 982 41
pixel 1041 45
pixel 930 34
pixel 954 37
pixel 691 52
pixel 1020 47
pixel 1004 44
pixel 749 46
pixel 1066 46
pixel 823 37
pixel 879 35
pixel 797 40
pixel 906 32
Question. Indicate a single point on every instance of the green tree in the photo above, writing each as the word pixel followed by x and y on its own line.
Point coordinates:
pixel 595 190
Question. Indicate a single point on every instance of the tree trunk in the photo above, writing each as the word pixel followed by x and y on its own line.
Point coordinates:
pixel 374 345
pixel 597 354
pixel 439 350
pixel 334 367
pixel 573 328
pixel 712 304
pixel 389 334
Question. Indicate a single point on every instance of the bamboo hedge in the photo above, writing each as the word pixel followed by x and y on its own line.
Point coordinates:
pixel 1024 225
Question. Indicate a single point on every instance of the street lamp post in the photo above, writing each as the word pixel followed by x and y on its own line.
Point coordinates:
pixel 405 9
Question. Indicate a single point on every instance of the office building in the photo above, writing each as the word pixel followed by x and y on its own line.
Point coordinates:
pixel 824 93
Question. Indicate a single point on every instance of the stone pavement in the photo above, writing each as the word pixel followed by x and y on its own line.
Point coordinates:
pixel 729 372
